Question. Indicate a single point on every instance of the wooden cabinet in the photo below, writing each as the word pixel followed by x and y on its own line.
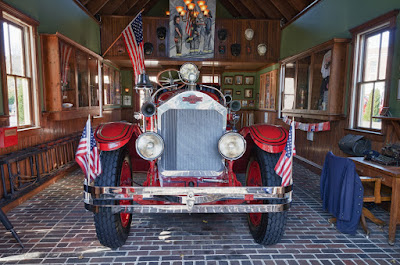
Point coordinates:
pixel 268 87
pixel 71 78
pixel 313 83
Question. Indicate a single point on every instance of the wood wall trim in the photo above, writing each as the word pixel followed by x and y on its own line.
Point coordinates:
pixel 314 167
pixel 77 45
pixel 16 13
pixel 388 17
pixel 79 4
pixel 305 10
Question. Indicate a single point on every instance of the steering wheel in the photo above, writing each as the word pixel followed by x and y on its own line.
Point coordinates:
pixel 169 77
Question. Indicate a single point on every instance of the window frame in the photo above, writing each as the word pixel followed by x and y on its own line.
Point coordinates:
pixel 10 15
pixel 386 22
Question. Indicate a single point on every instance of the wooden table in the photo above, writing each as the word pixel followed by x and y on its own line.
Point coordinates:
pixel 391 178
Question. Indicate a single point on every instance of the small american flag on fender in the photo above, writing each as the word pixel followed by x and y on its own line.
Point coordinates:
pixel 285 163
pixel 88 154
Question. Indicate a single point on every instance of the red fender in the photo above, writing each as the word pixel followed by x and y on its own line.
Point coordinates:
pixel 269 138
pixel 113 135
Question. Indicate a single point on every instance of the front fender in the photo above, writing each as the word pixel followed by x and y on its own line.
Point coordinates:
pixel 269 138
pixel 114 135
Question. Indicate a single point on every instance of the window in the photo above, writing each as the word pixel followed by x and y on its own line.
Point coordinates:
pixel 210 79
pixel 371 71
pixel 19 52
pixel 112 87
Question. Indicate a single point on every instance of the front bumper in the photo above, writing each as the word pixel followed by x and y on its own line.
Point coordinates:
pixel 188 199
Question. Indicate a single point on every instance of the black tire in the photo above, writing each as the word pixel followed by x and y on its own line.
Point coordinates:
pixel 270 229
pixel 109 227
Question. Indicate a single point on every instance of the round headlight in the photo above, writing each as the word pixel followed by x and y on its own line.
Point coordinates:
pixel 149 146
pixel 231 146
pixel 189 72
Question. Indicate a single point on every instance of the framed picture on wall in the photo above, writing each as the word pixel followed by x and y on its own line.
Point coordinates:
pixel 249 80
pixel 228 80
pixel 244 103
pixel 238 92
pixel 248 93
pixel 228 91
pixel 238 80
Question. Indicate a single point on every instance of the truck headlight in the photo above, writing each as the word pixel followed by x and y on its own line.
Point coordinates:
pixel 232 145
pixel 149 146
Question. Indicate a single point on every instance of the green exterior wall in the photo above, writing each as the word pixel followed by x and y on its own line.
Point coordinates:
pixel 62 16
pixel 332 19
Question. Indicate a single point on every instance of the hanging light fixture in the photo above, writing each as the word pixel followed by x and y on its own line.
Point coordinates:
pixel 201 3
pixel 203 7
pixel 206 12
pixel 183 13
pixel 187 2
pixel 167 12
pixel 179 9
pixel 191 6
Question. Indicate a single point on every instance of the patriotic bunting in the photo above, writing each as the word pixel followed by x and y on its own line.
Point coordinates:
pixel 309 127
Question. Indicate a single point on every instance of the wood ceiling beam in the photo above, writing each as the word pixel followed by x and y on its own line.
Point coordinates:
pixel 285 9
pixel 136 8
pixel 269 9
pixel 126 5
pixel 231 9
pixel 111 6
pixel 84 2
pixel 254 9
pixel 95 6
pixel 242 8
pixel 299 5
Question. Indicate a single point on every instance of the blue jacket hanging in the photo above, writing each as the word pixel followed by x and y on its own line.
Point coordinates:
pixel 342 192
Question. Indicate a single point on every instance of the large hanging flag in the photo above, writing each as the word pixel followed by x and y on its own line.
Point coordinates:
pixel 133 37
pixel 87 155
pixel 285 163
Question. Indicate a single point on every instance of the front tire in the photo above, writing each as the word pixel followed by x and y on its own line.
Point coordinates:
pixel 266 228
pixel 113 229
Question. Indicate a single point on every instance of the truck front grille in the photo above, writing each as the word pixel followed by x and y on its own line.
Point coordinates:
pixel 191 140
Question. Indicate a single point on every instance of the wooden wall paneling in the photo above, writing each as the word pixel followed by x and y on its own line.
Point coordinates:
pixel 242 9
pixel 269 9
pixel 336 104
pixel 51 72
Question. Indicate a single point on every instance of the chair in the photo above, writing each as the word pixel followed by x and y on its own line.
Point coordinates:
pixel 343 193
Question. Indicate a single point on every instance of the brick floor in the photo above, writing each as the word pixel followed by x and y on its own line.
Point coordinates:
pixel 56 229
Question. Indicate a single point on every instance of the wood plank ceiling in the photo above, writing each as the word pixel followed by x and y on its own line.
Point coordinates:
pixel 284 10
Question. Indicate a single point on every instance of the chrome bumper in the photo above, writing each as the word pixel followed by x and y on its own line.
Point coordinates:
pixel 188 199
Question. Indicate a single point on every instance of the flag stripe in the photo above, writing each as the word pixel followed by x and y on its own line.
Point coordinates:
pixel 284 166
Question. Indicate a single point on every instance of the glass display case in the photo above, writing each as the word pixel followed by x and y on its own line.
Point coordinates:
pixel 314 81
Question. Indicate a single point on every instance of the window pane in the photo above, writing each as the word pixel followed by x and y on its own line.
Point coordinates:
pixel 371 57
pixel 364 112
pixel 12 101
pixel 24 106
pixel 82 66
pixel 106 79
pixel 384 55
pixel 17 55
pixel 379 94
pixel 94 84
pixel 68 82
pixel 117 88
pixel 7 48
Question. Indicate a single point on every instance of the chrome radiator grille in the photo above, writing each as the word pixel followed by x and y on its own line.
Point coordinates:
pixel 191 140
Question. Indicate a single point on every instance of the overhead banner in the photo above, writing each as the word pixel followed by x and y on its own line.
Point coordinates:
pixel 192 28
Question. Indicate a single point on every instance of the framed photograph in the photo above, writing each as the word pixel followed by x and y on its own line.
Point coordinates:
pixel 238 80
pixel 228 92
pixel 249 80
pixel 244 103
pixel 248 93
pixel 238 92
pixel 228 80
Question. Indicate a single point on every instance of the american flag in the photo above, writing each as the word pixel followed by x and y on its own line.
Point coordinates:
pixel 285 163
pixel 65 55
pixel 133 36
pixel 88 154
pixel 188 28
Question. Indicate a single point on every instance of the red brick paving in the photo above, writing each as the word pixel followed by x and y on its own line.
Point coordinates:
pixel 56 229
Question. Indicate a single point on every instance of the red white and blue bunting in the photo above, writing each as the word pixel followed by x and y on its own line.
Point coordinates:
pixel 309 127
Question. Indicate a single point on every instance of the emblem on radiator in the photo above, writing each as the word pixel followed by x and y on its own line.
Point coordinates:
pixel 192 99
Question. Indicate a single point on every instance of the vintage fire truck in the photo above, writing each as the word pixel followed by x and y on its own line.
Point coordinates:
pixel 189 147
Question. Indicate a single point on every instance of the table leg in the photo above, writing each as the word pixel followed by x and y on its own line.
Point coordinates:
pixel 394 210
